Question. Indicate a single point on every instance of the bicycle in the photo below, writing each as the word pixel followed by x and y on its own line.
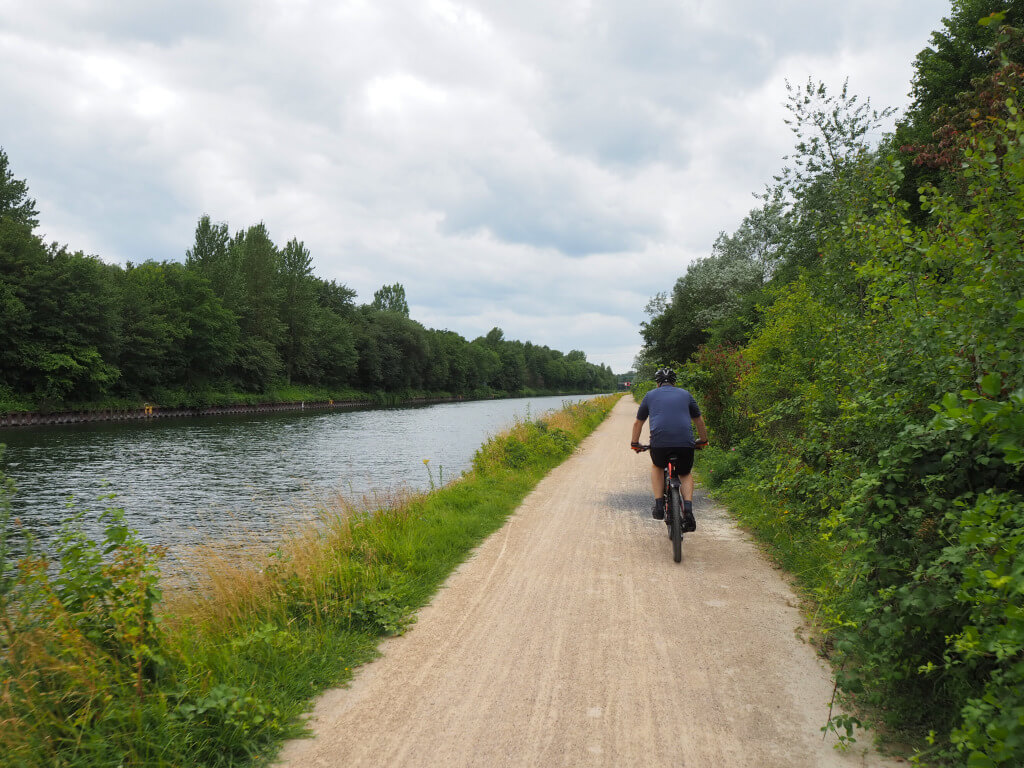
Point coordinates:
pixel 673 503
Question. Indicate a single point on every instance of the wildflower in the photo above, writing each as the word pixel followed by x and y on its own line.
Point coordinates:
pixel 426 461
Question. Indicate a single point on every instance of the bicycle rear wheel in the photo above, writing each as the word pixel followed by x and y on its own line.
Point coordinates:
pixel 675 527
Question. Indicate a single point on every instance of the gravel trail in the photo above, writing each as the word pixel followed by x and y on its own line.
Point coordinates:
pixel 570 638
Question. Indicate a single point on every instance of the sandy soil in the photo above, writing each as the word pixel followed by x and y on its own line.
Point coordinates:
pixel 570 638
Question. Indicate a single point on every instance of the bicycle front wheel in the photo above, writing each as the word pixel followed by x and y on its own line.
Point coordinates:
pixel 675 525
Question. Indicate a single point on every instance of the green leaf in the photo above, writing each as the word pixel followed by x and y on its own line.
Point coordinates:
pixel 995 18
pixel 992 384
pixel 1013 455
pixel 980 760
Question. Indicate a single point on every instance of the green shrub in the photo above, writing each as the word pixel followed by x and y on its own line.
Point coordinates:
pixel 714 374
pixel 879 424
pixel 80 645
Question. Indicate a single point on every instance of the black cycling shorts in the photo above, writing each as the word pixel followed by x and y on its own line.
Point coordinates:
pixel 683 463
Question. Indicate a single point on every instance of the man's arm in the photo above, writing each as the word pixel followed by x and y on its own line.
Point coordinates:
pixel 635 442
pixel 641 416
pixel 702 428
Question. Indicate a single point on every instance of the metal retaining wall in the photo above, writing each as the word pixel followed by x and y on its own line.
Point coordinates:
pixel 155 412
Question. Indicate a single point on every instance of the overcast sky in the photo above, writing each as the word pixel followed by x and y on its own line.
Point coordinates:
pixel 544 167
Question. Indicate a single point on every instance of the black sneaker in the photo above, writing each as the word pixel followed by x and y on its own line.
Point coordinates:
pixel 689 521
pixel 658 512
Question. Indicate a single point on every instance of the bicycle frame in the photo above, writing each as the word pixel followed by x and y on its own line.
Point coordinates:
pixel 673 505
pixel 670 481
pixel 673 510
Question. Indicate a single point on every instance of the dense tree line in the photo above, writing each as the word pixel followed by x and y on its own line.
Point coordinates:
pixel 239 315
pixel 857 347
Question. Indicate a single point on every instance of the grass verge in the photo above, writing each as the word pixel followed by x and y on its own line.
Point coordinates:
pixel 99 669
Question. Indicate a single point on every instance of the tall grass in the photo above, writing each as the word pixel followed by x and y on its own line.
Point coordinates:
pixel 99 668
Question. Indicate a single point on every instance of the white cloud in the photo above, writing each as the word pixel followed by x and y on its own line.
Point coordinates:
pixel 541 167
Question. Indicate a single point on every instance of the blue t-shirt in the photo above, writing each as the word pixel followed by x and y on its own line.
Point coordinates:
pixel 672 411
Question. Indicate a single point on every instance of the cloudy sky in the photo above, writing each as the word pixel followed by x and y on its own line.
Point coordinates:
pixel 544 167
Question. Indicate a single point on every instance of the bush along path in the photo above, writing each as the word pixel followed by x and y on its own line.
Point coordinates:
pixel 877 444
pixel 867 388
pixel 99 668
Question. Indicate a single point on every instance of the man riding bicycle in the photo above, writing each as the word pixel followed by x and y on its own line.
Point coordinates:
pixel 672 411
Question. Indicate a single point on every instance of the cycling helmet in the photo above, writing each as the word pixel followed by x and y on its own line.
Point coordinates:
pixel 665 374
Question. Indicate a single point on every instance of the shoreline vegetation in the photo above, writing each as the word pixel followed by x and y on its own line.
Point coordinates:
pixel 101 669
pixel 291 398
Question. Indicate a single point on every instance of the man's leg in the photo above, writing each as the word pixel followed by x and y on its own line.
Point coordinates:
pixel 658 487
pixel 657 481
pixel 686 489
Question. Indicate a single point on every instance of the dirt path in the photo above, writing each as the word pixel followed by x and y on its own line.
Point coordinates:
pixel 570 638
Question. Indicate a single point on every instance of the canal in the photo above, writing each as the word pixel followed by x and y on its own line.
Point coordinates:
pixel 200 480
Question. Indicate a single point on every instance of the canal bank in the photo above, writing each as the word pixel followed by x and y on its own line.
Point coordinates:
pixel 148 412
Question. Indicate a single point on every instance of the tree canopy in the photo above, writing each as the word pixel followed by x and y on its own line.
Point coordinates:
pixel 239 314
pixel 15 204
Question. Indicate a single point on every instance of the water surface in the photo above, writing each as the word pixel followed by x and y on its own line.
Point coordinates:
pixel 187 481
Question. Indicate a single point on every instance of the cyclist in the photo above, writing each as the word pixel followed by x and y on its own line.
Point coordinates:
pixel 672 411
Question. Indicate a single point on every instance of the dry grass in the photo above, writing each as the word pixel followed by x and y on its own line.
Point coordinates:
pixel 562 420
pixel 231 581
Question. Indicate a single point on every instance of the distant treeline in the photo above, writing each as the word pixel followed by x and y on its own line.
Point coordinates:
pixel 240 314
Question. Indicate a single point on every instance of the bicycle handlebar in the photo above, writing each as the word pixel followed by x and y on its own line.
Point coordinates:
pixel 697 446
